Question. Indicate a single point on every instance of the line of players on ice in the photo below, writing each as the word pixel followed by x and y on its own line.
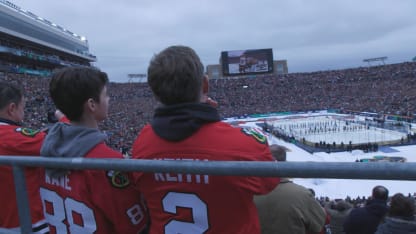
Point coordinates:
pixel 309 128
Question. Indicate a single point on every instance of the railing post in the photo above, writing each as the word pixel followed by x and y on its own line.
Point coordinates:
pixel 22 200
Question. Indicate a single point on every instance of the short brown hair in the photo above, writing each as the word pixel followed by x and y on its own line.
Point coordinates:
pixel 175 75
pixel 10 93
pixel 402 206
pixel 71 87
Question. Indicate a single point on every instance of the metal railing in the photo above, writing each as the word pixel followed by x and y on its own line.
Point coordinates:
pixel 335 170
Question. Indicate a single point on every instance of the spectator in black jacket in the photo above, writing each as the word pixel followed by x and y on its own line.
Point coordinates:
pixel 364 220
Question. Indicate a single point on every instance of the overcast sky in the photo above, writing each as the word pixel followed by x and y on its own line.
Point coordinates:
pixel 310 35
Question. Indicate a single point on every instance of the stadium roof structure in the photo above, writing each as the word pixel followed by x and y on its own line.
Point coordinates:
pixel 414 59
pixel 26 25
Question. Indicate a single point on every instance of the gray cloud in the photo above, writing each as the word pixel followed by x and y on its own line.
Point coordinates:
pixel 311 35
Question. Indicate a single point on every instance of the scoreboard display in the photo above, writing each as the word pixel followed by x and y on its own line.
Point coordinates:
pixel 246 62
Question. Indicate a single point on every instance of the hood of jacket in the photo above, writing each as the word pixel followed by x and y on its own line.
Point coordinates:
pixel 178 122
pixel 397 225
pixel 70 141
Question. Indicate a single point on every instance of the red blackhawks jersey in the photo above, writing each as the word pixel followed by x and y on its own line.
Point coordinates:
pixel 15 140
pixel 93 201
pixel 189 203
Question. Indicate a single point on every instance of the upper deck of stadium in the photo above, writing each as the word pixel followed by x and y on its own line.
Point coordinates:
pixel 24 24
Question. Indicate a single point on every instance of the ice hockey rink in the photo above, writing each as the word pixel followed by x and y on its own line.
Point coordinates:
pixel 338 188
pixel 334 128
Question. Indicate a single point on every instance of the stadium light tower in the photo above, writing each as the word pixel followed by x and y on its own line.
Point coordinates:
pixel 369 60
pixel 141 78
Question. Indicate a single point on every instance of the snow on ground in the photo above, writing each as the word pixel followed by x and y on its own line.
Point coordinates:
pixel 341 188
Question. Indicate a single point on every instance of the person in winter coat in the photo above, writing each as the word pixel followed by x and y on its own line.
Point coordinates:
pixel 400 218
pixel 290 208
pixel 364 220
pixel 338 211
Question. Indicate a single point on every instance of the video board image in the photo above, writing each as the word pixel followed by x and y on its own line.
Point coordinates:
pixel 241 62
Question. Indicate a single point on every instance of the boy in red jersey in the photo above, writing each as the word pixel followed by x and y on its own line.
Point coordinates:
pixel 16 140
pixel 185 127
pixel 86 201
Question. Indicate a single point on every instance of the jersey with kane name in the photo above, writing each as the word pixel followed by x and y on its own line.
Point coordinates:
pixel 93 201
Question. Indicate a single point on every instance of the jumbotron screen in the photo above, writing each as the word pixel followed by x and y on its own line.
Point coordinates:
pixel 245 62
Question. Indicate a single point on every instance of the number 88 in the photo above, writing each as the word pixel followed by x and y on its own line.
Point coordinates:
pixel 64 209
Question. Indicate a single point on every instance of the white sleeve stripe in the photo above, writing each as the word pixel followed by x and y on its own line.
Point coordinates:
pixel 41 227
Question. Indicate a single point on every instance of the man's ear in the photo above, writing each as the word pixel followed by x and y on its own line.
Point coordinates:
pixel 11 111
pixel 11 108
pixel 91 104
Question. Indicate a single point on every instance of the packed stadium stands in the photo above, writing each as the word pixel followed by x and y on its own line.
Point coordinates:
pixel 32 45
pixel 385 89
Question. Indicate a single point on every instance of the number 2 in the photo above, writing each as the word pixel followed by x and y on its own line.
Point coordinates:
pixel 172 200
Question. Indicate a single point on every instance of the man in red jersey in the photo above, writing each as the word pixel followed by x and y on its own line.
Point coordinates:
pixel 17 140
pixel 185 127
pixel 86 201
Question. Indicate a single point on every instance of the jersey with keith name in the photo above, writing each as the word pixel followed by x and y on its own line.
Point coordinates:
pixel 189 203
pixel 93 201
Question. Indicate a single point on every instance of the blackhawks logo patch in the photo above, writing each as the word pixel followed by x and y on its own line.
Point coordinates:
pixel 257 134
pixel 27 132
pixel 118 179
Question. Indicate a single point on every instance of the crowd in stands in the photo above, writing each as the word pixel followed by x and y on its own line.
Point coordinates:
pixel 379 213
pixel 27 59
pixel 385 89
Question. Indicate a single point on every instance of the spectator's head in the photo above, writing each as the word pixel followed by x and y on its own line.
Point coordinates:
pixel 12 102
pixel 380 192
pixel 175 76
pixel 74 90
pixel 402 206
pixel 278 152
pixel 342 205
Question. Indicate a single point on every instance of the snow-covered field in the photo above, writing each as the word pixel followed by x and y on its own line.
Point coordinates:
pixel 341 188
